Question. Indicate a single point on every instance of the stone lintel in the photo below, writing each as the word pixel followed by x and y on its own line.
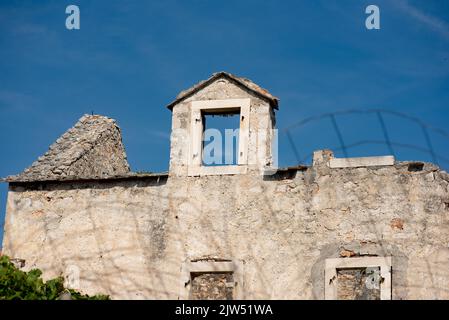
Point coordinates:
pixel 361 162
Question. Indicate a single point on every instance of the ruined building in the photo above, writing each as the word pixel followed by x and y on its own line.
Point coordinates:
pixel 355 228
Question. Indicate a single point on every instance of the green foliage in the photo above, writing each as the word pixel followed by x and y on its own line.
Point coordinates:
pixel 17 284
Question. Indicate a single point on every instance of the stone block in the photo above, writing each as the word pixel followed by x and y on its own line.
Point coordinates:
pixel 361 162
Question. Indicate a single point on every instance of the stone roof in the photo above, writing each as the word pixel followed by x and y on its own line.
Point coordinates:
pixel 91 149
pixel 248 84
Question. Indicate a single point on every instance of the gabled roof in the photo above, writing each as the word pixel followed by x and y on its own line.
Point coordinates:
pixel 248 84
pixel 92 148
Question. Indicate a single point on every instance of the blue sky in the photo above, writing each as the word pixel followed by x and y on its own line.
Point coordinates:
pixel 130 59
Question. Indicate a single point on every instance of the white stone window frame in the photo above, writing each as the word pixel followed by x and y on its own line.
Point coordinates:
pixel 195 166
pixel 332 265
pixel 189 268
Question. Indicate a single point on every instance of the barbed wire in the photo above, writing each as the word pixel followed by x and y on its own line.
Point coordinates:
pixel 344 147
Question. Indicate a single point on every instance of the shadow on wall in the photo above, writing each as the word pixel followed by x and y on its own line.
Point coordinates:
pixel 147 228
pixel 106 270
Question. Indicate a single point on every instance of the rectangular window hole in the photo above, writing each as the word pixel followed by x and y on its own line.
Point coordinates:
pixel 220 141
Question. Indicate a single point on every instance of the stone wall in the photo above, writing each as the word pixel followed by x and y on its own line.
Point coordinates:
pixel 130 237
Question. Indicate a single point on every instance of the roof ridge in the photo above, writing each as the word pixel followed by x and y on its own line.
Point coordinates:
pixel 245 82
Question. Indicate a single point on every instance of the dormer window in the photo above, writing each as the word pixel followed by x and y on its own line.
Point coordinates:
pixel 224 125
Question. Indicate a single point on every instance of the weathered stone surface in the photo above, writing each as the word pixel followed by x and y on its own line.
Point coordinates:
pixel 239 81
pixel 397 223
pixel 92 148
pixel 212 286
pixel 130 237
pixel 347 253
pixel 222 87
